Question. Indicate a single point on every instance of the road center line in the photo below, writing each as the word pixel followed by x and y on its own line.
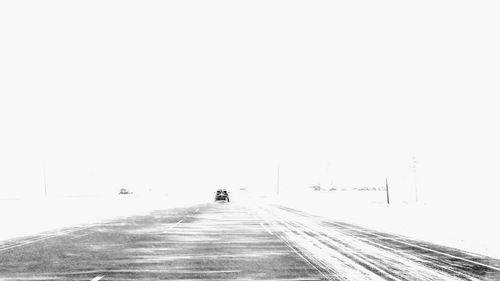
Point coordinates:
pixel 97 278
pixel 267 229
pixel 175 224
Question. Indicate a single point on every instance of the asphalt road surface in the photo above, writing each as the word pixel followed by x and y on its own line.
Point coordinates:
pixel 233 241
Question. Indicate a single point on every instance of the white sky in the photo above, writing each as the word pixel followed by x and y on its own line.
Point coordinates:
pixel 202 94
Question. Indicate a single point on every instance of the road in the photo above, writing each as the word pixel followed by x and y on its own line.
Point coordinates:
pixel 235 241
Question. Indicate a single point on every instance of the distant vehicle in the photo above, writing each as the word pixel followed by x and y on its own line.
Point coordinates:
pixel 125 191
pixel 221 195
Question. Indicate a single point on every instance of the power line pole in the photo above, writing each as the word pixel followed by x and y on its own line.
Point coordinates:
pixel 278 181
pixel 414 167
pixel 387 190
pixel 44 182
pixel 329 175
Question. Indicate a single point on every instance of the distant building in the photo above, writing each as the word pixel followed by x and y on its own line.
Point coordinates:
pixel 315 187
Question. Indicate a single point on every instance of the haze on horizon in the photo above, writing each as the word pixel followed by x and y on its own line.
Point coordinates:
pixel 171 97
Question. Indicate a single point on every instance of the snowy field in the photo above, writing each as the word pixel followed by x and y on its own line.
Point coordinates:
pixel 473 228
pixel 21 217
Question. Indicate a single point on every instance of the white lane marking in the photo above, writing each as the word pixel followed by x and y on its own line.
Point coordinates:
pixel 416 246
pixel 175 224
pixel 97 278
pixel 197 210
pixel 267 229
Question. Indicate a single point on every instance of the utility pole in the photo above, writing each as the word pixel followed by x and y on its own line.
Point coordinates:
pixel 387 190
pixel 44 182
pixel 278 181
pixel 414 167
pixel 329 175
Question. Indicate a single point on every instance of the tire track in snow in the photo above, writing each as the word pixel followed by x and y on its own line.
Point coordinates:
pixel 332 248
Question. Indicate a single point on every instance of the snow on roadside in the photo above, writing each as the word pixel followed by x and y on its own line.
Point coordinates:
pixel 470 228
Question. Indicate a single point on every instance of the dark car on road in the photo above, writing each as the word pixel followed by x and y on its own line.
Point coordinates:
pixel 124 191
pixel 221 195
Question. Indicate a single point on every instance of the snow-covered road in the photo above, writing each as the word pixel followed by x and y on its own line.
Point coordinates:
pixel 248 240
pixel 342 251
